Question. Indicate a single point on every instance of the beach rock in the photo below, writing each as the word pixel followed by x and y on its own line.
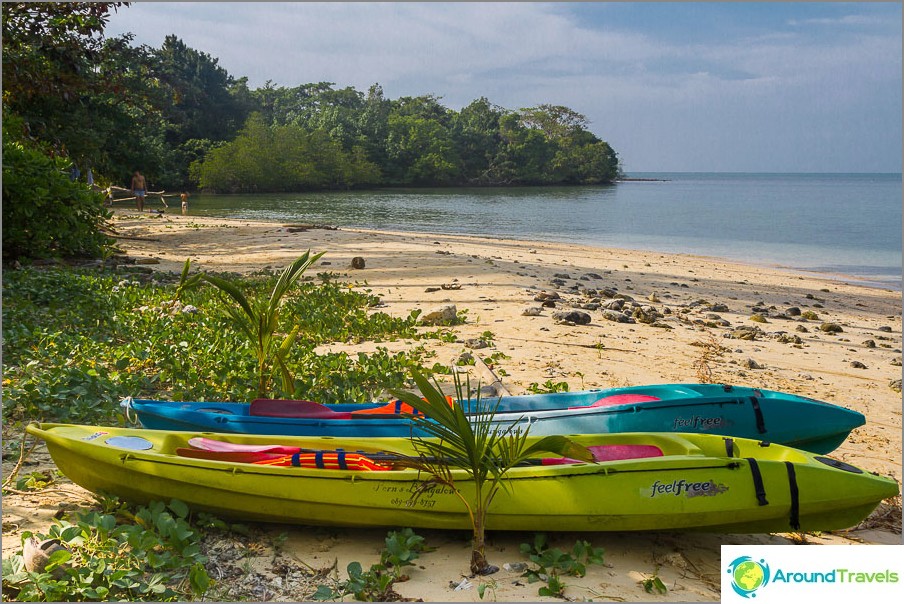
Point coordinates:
pixel 646 314
pixel 476 343
pixel 869 343
pixel 751 364
pixel 717 308
pixel 562 276
pixel 544 295
pixel 618 317
pixel 895 385
pixel 532 311
pixel 590 306
pixel 575 317
pixel 745 332
pixel 443 315
pixel 36 555
pixel 430 290
pixel 465 358
pixel 358 262
pixel 593 276
pixel 788 338
pixel 548 304
pixel 885 328
pixel 793 311
pixel 858 365
pixel 831 328
pixel 613 304
pixel 801 329
pixel 557 282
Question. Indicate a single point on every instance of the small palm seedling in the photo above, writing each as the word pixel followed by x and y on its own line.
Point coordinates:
pixel 477 445
pixel 258 319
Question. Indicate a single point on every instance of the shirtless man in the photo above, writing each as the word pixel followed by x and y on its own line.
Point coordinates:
pixel 139 188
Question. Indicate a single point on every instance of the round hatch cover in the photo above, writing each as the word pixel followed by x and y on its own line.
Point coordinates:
pixel 134 443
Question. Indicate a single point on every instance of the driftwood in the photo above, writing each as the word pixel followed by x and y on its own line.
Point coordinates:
pixel 114 189
pixel 492 379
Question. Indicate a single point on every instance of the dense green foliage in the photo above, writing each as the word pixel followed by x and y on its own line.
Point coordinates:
pixel 76 342
pixel 45 214
pixel 156 556
pixel 106 104
pixel 315 137
pixel 283 158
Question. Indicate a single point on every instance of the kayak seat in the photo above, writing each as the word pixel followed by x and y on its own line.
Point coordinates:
pixel 611 453
pixel 230 456
pixel 210 444
pixel 620 399
pixel 266 407
pixel 396 407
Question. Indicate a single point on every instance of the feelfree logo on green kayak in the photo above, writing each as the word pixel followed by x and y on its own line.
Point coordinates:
pixel 748 575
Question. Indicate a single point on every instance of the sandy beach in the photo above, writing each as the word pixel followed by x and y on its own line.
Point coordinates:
pixel 697 305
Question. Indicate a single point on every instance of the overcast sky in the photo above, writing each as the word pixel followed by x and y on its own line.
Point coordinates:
pixel 684 87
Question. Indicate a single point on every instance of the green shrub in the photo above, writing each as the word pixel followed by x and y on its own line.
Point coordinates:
pixel 45 215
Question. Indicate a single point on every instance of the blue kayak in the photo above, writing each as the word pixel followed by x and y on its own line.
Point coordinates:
pixel 766 415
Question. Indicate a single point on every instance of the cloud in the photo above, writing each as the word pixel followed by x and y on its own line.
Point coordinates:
pixel 810 70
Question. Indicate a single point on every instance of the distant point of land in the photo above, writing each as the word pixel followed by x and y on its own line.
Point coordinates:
pixel 642 180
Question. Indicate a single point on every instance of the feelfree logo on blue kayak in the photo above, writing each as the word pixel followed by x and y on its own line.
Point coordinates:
pixel 748 575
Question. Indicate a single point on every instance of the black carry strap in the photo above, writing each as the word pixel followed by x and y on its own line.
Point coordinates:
pixel 729 447
pixel 795 496
pixel 757 481
pixel 760 422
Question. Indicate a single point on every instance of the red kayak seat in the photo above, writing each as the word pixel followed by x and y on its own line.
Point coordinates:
pixel 267 407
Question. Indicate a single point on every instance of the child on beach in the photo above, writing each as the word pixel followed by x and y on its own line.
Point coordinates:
pixel 184 198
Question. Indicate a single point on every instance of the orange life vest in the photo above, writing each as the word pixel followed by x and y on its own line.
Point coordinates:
pixel 327 460
pixel 396 407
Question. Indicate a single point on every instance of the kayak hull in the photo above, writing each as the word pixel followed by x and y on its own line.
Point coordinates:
pixel 773 416
pixel 694 485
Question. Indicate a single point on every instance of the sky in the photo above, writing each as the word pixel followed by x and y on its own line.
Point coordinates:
pixel 672 87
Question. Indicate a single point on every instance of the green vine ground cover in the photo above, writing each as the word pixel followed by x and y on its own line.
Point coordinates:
pixel 77 341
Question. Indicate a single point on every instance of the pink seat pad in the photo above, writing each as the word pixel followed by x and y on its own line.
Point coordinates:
pixel 209 444
pixel 611 453
pixel 620 399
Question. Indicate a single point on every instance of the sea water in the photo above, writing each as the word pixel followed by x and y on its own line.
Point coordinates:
pixel 845 225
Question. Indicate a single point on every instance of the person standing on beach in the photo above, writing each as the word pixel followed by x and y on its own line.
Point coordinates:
pixel 139 188
pixel 184 198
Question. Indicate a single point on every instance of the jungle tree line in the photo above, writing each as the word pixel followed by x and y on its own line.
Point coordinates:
pixel 75 97
pixel 178 115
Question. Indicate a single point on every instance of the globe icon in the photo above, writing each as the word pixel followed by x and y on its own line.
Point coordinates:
pixel 748 575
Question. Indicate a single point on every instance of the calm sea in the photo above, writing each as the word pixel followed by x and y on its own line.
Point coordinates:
pixel 848 225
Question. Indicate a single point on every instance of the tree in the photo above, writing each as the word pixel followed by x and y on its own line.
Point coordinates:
pixel 282 158
pixel 199 103
pixel 258 320
pixel 478 139
pixel 49 49
pixel 475 444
